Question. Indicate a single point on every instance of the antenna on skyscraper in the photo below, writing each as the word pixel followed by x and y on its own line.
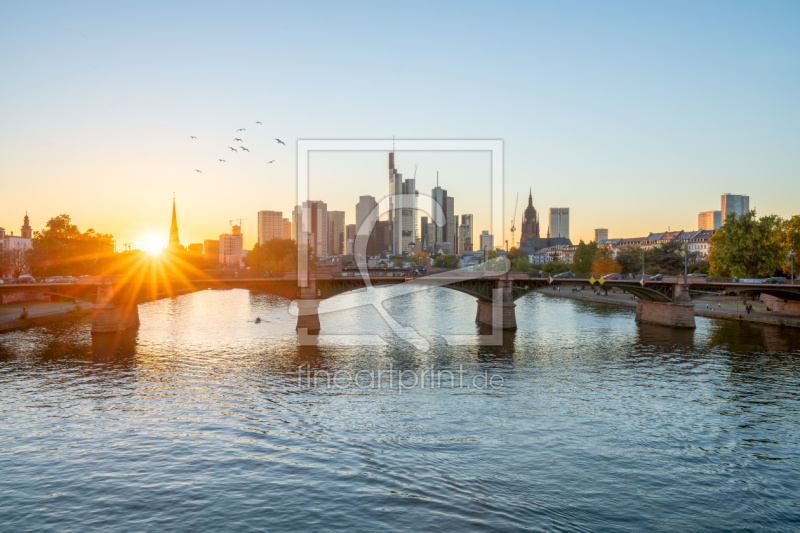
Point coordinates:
pixel 437 178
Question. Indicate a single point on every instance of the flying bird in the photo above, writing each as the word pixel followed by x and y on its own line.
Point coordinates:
pixel 244 149
pixel 232 148
pixel 222 160
pixel 280 141
pixel 200 171
pixel 268 162
pixel 192 137
pixel 257 122
pixel 241 129
pixel 241 141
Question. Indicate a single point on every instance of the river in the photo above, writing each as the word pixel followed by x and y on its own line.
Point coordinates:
pixel 203 420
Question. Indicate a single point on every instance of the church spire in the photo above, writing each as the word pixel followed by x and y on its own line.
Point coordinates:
pixel 174 241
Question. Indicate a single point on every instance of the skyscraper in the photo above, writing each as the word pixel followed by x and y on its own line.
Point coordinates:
pixel 174 241
pixel 287 229
pixel 312 226
pixel 487 241
pixel 600 234
pixel 468 238
pixel 709 220
pixel 558 225
pixel 734 205
pixel 349 239
pixel 402 212
pixel 437 228
pixel 336 237
pixel 270 225
pixel 365 211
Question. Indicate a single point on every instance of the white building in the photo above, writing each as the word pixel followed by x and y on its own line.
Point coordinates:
pixel 600 234
pixel 734 205
pixel 270 226
pixel 559 223
pixel 402 213
pixel 231 247
pixel 487 241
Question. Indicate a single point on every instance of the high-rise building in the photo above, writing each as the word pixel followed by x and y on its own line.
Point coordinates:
pixel 423 232
pixel 287 229
pixel 487 241
pixel 452 225
pixel 734 205
pixel 174 241
pixel 464 241
pixel 709 220
pixel 437 229
pixel 402 210
pixel 312 226
pixel 270 226
pixel 365 212
pixel 231 247
pixel 196 248
pixel 600 234
pixel 336 237
pixel 468 242
pixel 211 251
pixel 558 225
pixel 530 221
pixel 350 239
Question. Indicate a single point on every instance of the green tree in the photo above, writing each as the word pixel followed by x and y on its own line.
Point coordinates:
pixel 446 261
pixel 275 255
pixel 523 264
pixel 62 250
pixel 584 256
pixel 555 267
pixel 667 256
pixel 630 259
pixel 491 254
pixel 792 228
pixel 516 253
pixel 748 247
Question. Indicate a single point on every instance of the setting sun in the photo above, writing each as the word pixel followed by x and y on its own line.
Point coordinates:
pixel 152 245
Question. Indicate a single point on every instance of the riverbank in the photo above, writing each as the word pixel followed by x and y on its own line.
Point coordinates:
pixel 38 316
pixel 701 308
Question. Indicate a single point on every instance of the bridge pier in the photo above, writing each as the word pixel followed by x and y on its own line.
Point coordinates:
pixel 674 315
pixel 503 314
pixel 308 310
pixel 108 317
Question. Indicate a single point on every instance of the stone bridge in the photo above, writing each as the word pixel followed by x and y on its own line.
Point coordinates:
pixel 666 302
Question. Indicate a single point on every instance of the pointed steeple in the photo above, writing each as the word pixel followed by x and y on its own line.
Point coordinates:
pixel 530 197
pixel 174 241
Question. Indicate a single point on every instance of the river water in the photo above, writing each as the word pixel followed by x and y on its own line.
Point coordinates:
pixel 203 420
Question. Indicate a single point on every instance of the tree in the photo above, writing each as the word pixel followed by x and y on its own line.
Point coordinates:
pixel 275 255
pixel 491 254
pixel 522 264
pixel 398 263
pixel 604 264
pixel 667 256
pixel 792 227
pixel 419 258
pixel 516 253
pixel 584 256
pixel 630 259
pixel 446 261
pixel 555 267
pixel 61 249
pixel 747 246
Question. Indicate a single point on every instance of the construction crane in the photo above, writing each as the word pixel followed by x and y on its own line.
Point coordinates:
pixel 240 222
pixel 127 246
pixel 513 226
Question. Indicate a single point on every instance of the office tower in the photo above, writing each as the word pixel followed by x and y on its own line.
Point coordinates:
pixel 437 228
pixel 487 241
pixel 559 223
pixel 336 232
pixel 423 232
pixel 350 239
pixel 211 251
pixel 468 240
pixel 196 248
pixel 381 233
pixel 463 238
pixel 231 247
pixel 600 234
pixel 295 220
pixel 270 225
pixel 709 220
pixel 312 226
pixel 451 232
pixel 287 229
pixel 365 212
pixel 530 221
pixel 734 205
pixel 402 210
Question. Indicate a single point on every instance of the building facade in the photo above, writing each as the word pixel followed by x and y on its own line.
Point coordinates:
pixel 558 225
pixel 211 251
pixel 270 225
pixel 402 211
pixel 734 205
pixel 487 241
pixel 336 233
pixel 312 226
pixel 709 220
pixel 231 247
pixel 600 234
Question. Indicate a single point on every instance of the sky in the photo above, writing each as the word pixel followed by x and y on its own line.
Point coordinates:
pixel 636 116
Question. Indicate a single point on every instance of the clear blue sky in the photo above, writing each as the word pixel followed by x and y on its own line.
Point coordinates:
pixel 635 115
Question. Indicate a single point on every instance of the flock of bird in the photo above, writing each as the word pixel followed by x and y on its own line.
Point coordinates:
pixel 242 148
